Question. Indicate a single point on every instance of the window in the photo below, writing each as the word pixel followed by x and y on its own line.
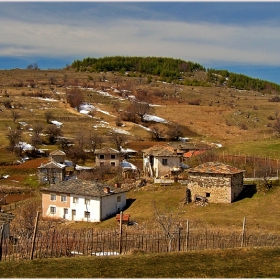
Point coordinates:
pixel 75 199
pixel 113 163
pixel 65 211
pixel 53 210
pixel 87 214
pixel 208 194
pixel 119 198
pixel 113 156
pixel 101 163
pixel 53 196
pixel 63 198
pixel 164 161
pixel 87 201
pixel 101 156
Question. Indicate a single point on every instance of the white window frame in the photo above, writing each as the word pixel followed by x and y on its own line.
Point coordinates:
pixel 87 201
pixel 53 197
pixel 75 199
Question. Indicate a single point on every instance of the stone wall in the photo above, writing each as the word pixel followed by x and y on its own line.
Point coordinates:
pixel 217 188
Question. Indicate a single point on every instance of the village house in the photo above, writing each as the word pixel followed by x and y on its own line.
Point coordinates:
pixel 107 157
pixel 160 160
pixel 80 200
pixel 58 156
pixel 216 182
pixel 51 172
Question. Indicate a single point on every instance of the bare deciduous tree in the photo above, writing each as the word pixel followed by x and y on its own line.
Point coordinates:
pixel 157 132
pixel 24 222
pixel 76 153
pixel 38 128
pixel 118 139
pixel 15 115
pixel 53 132
pixel 169 223
pixel 175 132
pixel 14 136
pixel 75 98
pixel 48 116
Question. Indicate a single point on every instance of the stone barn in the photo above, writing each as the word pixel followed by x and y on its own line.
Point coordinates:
pixel 215 181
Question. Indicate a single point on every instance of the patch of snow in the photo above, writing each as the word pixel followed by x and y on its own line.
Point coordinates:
pixel 142 126
pixel 79 167
pixel 46 99
pixel 154 119
pixel 23 123
pixel 57 123
pixel 25 146
pixel 121 131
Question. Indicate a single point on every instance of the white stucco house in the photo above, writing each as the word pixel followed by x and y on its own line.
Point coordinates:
pixel 161 160
pixel 80 200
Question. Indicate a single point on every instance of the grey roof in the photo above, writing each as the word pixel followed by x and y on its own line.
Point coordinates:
pixel 106 151
pixel 52 165
pixel 82 187
pixel 215 168
pixel 57 153
pixel 161 151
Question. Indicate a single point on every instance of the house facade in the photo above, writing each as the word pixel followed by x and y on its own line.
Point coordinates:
pixel 159 160
pixel 79 200
pixel 107 157
pixel 217 182
pixel 51 172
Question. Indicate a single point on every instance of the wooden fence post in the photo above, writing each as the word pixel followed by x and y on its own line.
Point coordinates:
pixel 187 236
pixel 179 238
pixel 34 236
pixel 243 233
pixel 120 238
pixel 1 239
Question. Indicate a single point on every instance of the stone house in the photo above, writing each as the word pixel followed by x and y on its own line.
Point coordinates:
pixel 217 182
pixel 107 156
pixel 51 172
pixel 159 160
pixel 58 156
pixel 80 200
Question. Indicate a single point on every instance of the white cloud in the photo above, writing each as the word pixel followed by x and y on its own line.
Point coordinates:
pixel 199 42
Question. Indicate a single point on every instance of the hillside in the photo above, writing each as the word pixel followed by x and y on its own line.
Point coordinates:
pixel 206 113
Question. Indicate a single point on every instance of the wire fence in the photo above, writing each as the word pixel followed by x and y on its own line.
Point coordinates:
pixel 91 242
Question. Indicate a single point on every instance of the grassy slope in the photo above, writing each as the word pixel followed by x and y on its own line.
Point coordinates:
pixel 238 263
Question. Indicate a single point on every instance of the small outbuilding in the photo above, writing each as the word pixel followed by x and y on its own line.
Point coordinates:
pixel 216 182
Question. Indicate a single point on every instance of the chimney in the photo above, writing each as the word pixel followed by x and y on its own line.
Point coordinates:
pixel 106 190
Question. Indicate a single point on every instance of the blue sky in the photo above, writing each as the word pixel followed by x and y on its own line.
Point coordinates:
pixel 242 37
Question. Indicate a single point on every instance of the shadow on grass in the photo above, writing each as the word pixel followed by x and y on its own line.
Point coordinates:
pixel 129 202
pixel 248 192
